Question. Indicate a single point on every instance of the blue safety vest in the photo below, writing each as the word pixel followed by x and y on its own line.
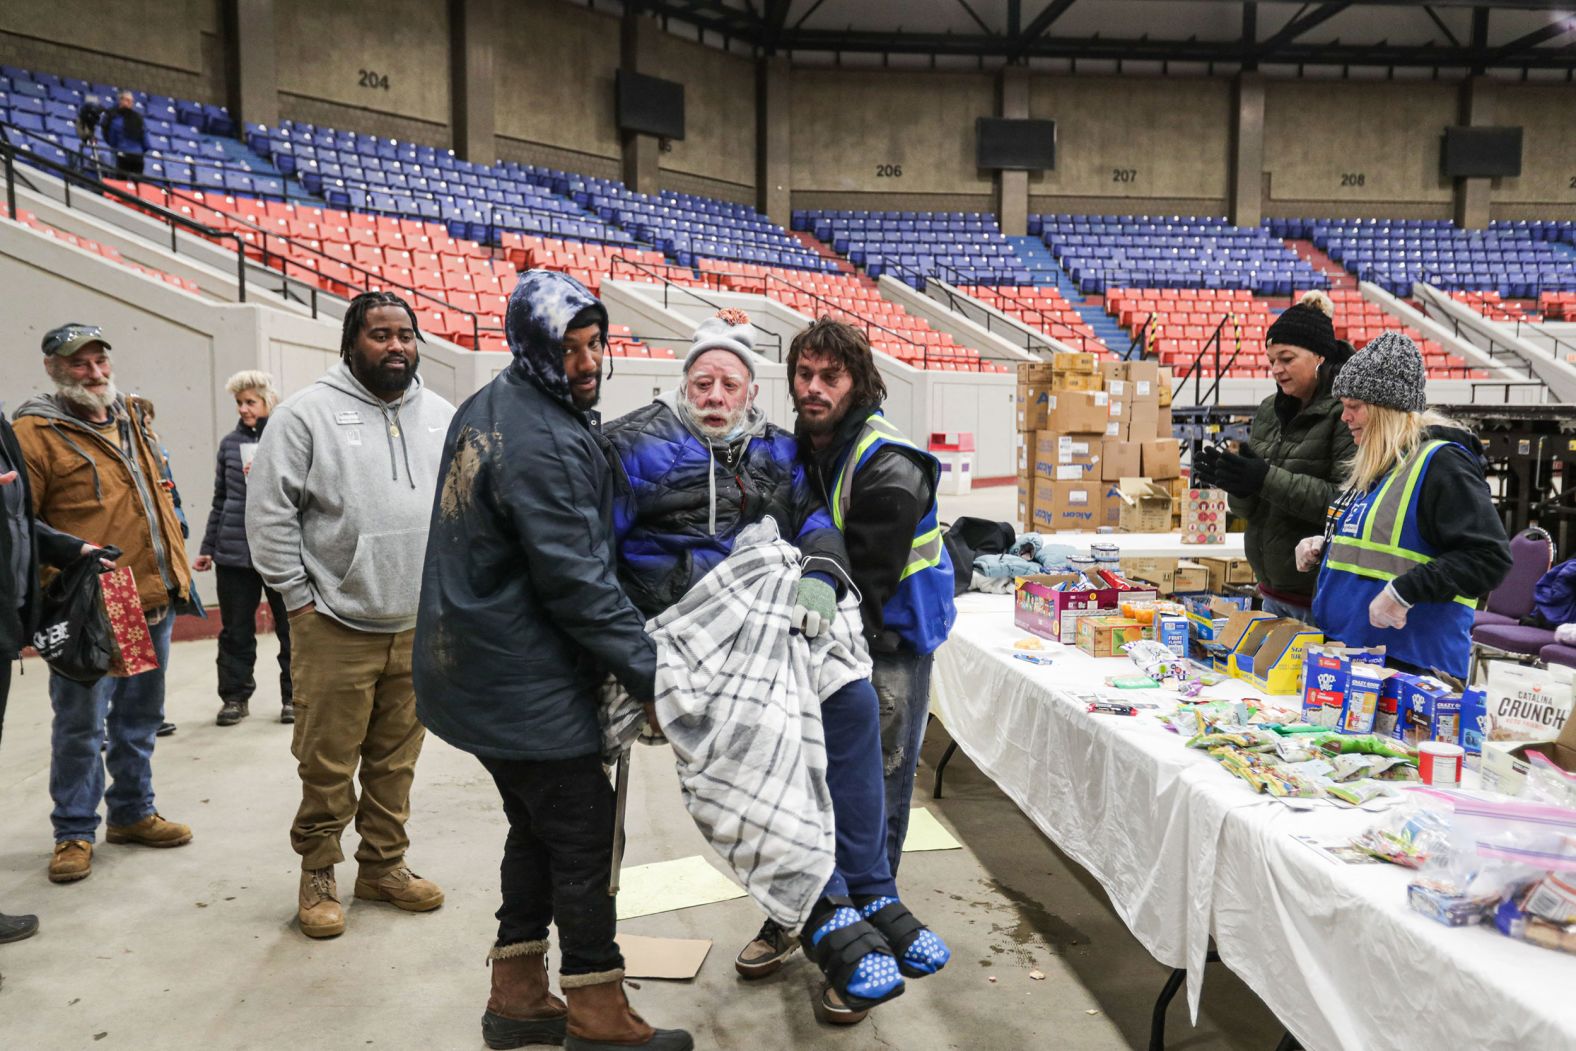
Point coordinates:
pixel 921 611
pixel 1375 540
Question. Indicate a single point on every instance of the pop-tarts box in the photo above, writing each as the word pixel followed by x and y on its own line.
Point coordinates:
pixel 1328 672
pixel 1428 711
pixel 1474 719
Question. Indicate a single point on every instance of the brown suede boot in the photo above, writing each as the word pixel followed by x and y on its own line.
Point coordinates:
pixel 600 1018
pixel 403 888
pixel 522 1009
pixel 151 831
pixel 73 860
pixel 318 910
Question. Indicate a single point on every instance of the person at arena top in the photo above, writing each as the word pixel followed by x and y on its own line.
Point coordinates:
pixel 699 464
pixel 1414 540
pixel 224 550
pixel 522 619
pixel 96 469
pixel 337 504
pixel 1283 477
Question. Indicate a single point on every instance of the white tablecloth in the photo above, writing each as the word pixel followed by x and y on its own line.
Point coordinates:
pixel 1153 545
pixel 1186 851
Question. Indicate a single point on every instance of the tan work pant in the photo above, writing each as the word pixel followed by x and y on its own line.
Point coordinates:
pixel 354 702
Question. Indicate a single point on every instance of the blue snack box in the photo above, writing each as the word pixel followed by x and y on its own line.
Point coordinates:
pixel 1474 714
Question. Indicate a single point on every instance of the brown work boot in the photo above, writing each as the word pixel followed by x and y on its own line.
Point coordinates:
pixel 319 911
pixel 73 860
pixel 521 1010
pixel 151 831
pixel 402 887
pixel 600 1018
pixel 767 952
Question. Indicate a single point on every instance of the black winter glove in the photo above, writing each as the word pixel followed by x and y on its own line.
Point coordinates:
pixel 1205 463
pixel 1240 475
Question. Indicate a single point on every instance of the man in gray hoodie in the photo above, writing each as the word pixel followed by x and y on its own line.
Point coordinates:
pixel 337 511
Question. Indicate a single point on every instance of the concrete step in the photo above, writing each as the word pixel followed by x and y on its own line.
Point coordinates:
pixel 1339 276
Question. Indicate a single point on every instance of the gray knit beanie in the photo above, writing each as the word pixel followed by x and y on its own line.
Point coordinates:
pixel 728 330
pixel 1388 371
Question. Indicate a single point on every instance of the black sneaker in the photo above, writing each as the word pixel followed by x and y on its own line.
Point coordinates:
pixel 165 729
pixel 231 713
pixel 287 712
pixel 15 928
pixel 768 952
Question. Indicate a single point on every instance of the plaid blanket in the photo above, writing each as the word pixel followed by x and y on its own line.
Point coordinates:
pixel 739 698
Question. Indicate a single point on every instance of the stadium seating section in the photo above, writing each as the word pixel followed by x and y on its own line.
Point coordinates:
pixel 1184 323
pixel 1141 251
pixel 1043 309
pixel 1395 254
pixel 959 247
pixel 345 211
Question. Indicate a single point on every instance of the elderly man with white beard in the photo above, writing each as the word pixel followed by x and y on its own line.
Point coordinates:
pixel 698 465
pixel 96 469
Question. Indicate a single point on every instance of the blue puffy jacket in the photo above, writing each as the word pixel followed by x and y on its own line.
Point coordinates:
pixel 225 538
pixel 684 500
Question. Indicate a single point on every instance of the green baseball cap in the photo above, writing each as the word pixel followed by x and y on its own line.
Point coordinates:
pixel 68 339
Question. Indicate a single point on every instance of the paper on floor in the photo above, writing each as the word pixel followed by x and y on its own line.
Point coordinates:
pixel 926 833
pixel 677 959
pixel 664 886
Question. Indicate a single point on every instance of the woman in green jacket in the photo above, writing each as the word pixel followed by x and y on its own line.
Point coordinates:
pixel 1297 454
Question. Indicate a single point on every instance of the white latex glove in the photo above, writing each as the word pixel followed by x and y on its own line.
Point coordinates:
pixel 1309 551
pixel 1565 634
pixel 806 622
pixel 1387 610
pixel 814 606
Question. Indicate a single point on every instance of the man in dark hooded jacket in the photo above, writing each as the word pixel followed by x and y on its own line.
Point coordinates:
pixel 522 617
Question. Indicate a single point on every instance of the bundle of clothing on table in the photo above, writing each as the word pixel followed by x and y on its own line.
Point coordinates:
pixel 987 555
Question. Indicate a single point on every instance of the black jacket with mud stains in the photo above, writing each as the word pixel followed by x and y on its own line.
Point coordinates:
pixel 522 615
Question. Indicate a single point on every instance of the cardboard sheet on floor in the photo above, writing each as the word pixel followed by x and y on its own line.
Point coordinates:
pixel 926 833
pixel 676 959
pixel 664 886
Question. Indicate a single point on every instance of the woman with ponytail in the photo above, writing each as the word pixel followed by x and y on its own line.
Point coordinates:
pixel 1294 461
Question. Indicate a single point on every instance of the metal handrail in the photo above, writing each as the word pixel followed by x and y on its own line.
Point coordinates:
pixel 174 220
pixel 1026 324
pixel 688 290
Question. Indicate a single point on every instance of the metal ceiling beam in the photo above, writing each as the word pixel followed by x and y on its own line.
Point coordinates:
pixel 1226 51
pixel 977 19
pixel 1557 28
pixel 1297 27
pixel 1036 29
pixel 1428 9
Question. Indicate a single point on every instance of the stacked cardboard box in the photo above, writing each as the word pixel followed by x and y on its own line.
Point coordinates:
pixel 1064 418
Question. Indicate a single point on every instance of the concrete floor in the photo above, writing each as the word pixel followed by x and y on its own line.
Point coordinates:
pixel 196 947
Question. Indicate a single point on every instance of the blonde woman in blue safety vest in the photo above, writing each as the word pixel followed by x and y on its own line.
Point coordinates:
pixel 1414 541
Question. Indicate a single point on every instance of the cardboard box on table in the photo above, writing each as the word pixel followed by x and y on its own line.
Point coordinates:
pixel 1226 572
pixel 1145 506
pixel 1104 636
pixel 1270 653
pixel 1054 615
pixel 1226 637
pixel 1169 575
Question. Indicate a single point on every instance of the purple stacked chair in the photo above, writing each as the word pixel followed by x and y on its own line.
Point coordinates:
pixel 1498 625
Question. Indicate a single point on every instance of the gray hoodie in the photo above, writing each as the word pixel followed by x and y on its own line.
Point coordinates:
pixel 339 498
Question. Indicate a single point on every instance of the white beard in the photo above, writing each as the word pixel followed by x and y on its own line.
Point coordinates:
pixel 80 396
pixel 721 430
